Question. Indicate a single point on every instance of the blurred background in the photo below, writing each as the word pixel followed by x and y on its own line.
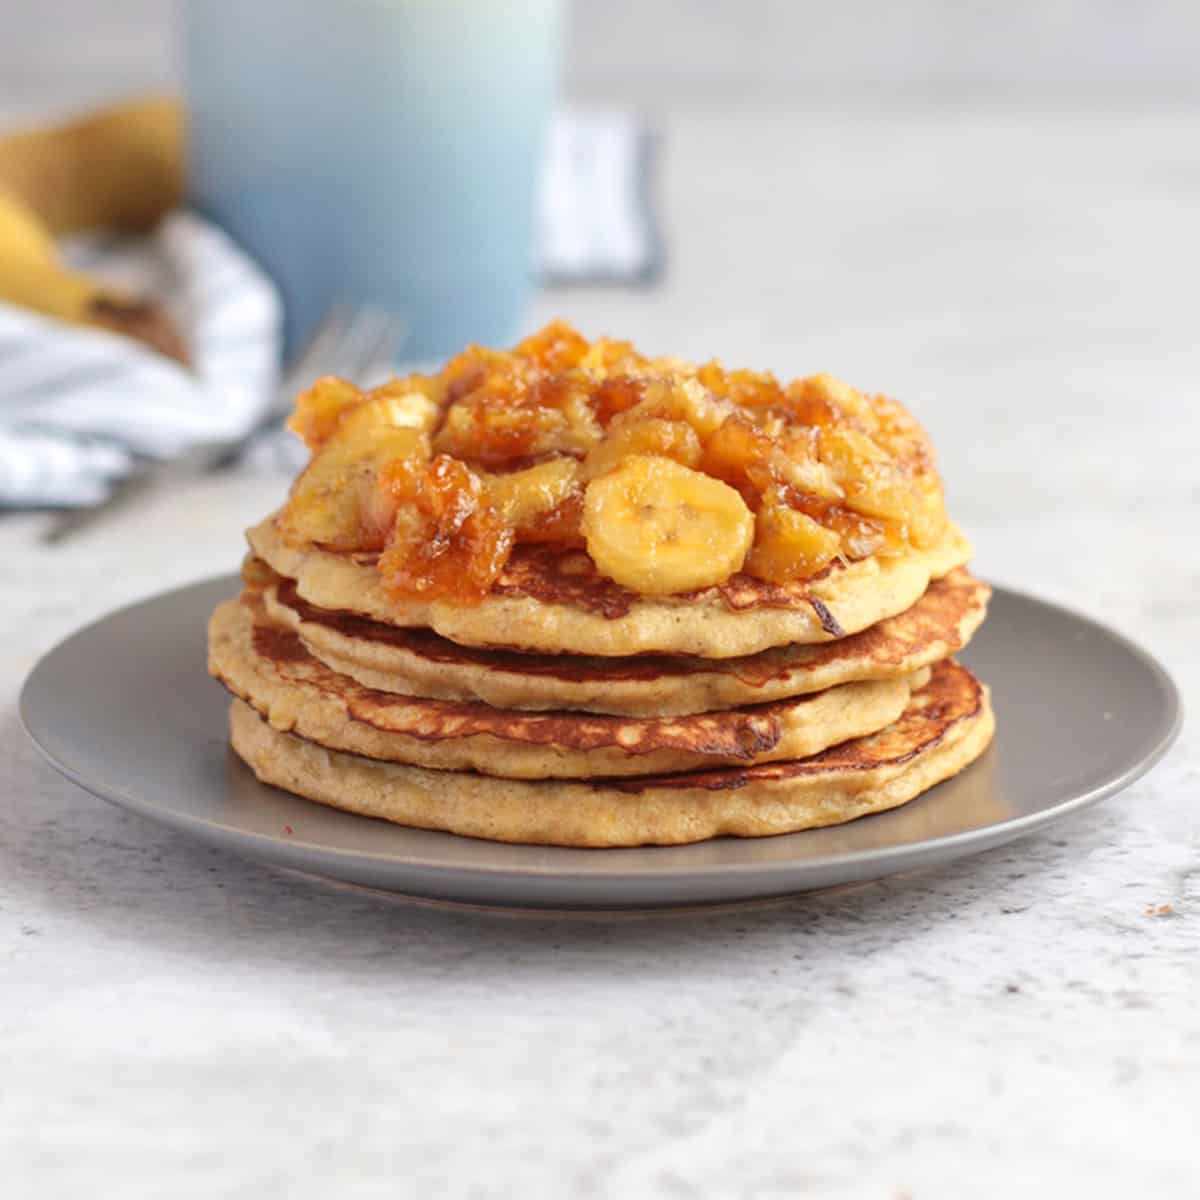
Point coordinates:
pixel 990 212
pixel 659 51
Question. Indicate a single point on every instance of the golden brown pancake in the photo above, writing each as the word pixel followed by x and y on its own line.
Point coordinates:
pixel 417 662
pixel 557 602
pixel 268 667
pixel 947 724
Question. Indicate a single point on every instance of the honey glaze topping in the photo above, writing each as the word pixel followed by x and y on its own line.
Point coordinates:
pixel 671 477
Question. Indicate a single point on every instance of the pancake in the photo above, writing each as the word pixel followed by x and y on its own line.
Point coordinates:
pixel 268 667
pixel 557 602
pixel 947 724
pixel 417 662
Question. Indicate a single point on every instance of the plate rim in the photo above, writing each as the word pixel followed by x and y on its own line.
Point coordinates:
pixel 944 846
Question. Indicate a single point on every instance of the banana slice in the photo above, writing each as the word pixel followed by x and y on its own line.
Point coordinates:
pixel 525 497
pixel 658 528
pixel 337 501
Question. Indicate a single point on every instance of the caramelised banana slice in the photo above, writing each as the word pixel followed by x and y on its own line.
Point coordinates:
pixel 660 528
pixel 337 500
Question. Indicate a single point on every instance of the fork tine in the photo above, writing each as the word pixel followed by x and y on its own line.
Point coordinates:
pixel 380 357
pixel 319 350
pixel 356 342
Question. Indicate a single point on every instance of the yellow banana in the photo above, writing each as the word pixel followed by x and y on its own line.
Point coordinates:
pixel 120 168
pixel 33 276
pixel 525 497
pixel 788 544
pixel 660 528
pixel 30 271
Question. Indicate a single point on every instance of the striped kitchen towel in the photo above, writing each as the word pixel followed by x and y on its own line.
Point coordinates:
pixel 78 405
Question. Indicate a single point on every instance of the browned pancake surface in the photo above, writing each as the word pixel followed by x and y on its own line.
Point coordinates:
pixel 736 734
pixel 556 576
pixel 895 641
pixel 420 663
pixel 948 724
pixel 741 734
pixel 270 668
pixel 951 696
pixel 556 602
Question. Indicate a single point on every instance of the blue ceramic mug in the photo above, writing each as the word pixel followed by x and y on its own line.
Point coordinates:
pixel 377 151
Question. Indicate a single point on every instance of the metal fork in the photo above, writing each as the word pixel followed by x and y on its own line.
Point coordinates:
pixel 357 344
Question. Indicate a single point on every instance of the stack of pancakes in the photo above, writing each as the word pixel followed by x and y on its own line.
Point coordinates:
pixel 564 709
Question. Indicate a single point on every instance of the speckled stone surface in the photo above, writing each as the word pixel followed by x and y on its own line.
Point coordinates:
pixel 175 1022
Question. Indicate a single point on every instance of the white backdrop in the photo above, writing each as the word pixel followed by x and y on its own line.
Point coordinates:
pixel 76 50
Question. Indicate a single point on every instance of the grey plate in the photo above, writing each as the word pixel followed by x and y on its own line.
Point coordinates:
pixel 125 709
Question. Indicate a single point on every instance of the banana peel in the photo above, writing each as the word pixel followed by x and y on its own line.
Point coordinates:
pixel 120 169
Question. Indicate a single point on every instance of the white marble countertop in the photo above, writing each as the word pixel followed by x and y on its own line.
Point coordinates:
pixel 175 1022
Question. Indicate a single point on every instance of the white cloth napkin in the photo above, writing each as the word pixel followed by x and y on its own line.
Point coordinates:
pixel 78 405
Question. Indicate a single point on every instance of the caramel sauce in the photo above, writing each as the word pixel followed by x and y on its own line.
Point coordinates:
pixel 830 474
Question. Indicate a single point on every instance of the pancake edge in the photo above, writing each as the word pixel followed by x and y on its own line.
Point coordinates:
pixel 705 686
pixel 524 745
pixel 598 815
pixel 841 602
